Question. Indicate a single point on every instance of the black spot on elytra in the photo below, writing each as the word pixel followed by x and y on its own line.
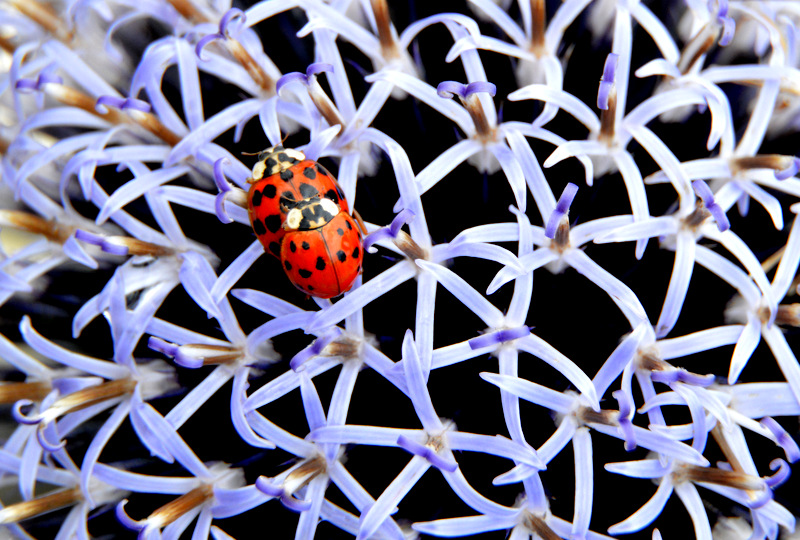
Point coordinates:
pixel 287 197
pixel 305 245
pixel 320 263
pixel 349 227
pixel 310 287
pixel 305 273
pixel 307 190
pixel 331 194
pixel 341 255
pixel 286 175
pixel 288 265
pixel 273 223
pixel 256 200
pixel 309 173
pixel 258 227
pixel 356 252
pixel 340 231
pixel 292 247
pixel 275 248
pixel 269 191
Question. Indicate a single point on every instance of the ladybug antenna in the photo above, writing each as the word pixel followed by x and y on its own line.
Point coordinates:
pixel 249 153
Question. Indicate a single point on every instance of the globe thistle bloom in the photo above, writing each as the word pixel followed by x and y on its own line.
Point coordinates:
pixel 501 362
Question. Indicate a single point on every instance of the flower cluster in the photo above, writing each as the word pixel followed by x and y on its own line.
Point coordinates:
pixel 160 366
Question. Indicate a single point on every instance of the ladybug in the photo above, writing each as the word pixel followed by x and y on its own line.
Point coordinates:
pixel 281 178
pixel 322 250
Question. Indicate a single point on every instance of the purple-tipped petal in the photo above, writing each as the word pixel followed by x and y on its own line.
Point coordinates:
pixel 784 440
pixel 499 337
pixel 47 445
pixel 782 474
pixel 295 504
pixel 26 86
pixel 233 16
pixel 480 86
pixel 426 452
pixel 202 42
pixel 289 78
pixel 134 104
pixel 704 192
pixel 789 171
pixel 19 416
pixel 448 89
pixel 624 419
pixel 405 216
pixel 126 520
pixel 219 208
pixel 390 232
pixel 265 485
pixel 318 67
pixel 728 29
pixel 164 347
pixel 314 349
pixel 104 102
pixel 562 209
pixel 219 176
pixel 607 82
pixel 45 77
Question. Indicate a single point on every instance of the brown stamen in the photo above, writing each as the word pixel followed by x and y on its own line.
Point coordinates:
pixel 697 217
pixel 255 71
pixel 538 27
pixel 148 121
pixel 776 162
pixel 561 238
pixel 608 118
pixel 189 11
pixel 87 397
pixel 304 473
pixel 31 223
pixel 788 315
pixel 44 16
pixel 721 477
pixel 324 105
pixel 344 347
pixel 698 46
pixel 383 22
pixel 180 506
pixel 41 505
pixel 140 247
pixel 213 354
pixel 34 391
pixel 538 526
pixel 409 247
pixel 483 128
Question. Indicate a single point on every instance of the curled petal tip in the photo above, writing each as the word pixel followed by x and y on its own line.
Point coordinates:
pixel 47 445
pixel 265 486
pixel 22 418
pixel 125 519
pixel 318 67
pixel 233 16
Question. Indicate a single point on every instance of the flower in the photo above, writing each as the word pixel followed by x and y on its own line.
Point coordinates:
pixel 155 362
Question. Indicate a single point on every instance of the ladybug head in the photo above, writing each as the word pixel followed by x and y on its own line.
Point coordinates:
pixel 274 160
pixel 311 213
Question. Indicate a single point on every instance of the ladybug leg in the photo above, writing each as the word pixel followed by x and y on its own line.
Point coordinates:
pixel 360 222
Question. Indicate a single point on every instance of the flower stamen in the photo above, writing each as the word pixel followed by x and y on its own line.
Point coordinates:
pixel 20 511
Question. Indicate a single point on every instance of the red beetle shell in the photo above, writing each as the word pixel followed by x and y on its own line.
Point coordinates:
pixel 323 261
pixel 281 179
